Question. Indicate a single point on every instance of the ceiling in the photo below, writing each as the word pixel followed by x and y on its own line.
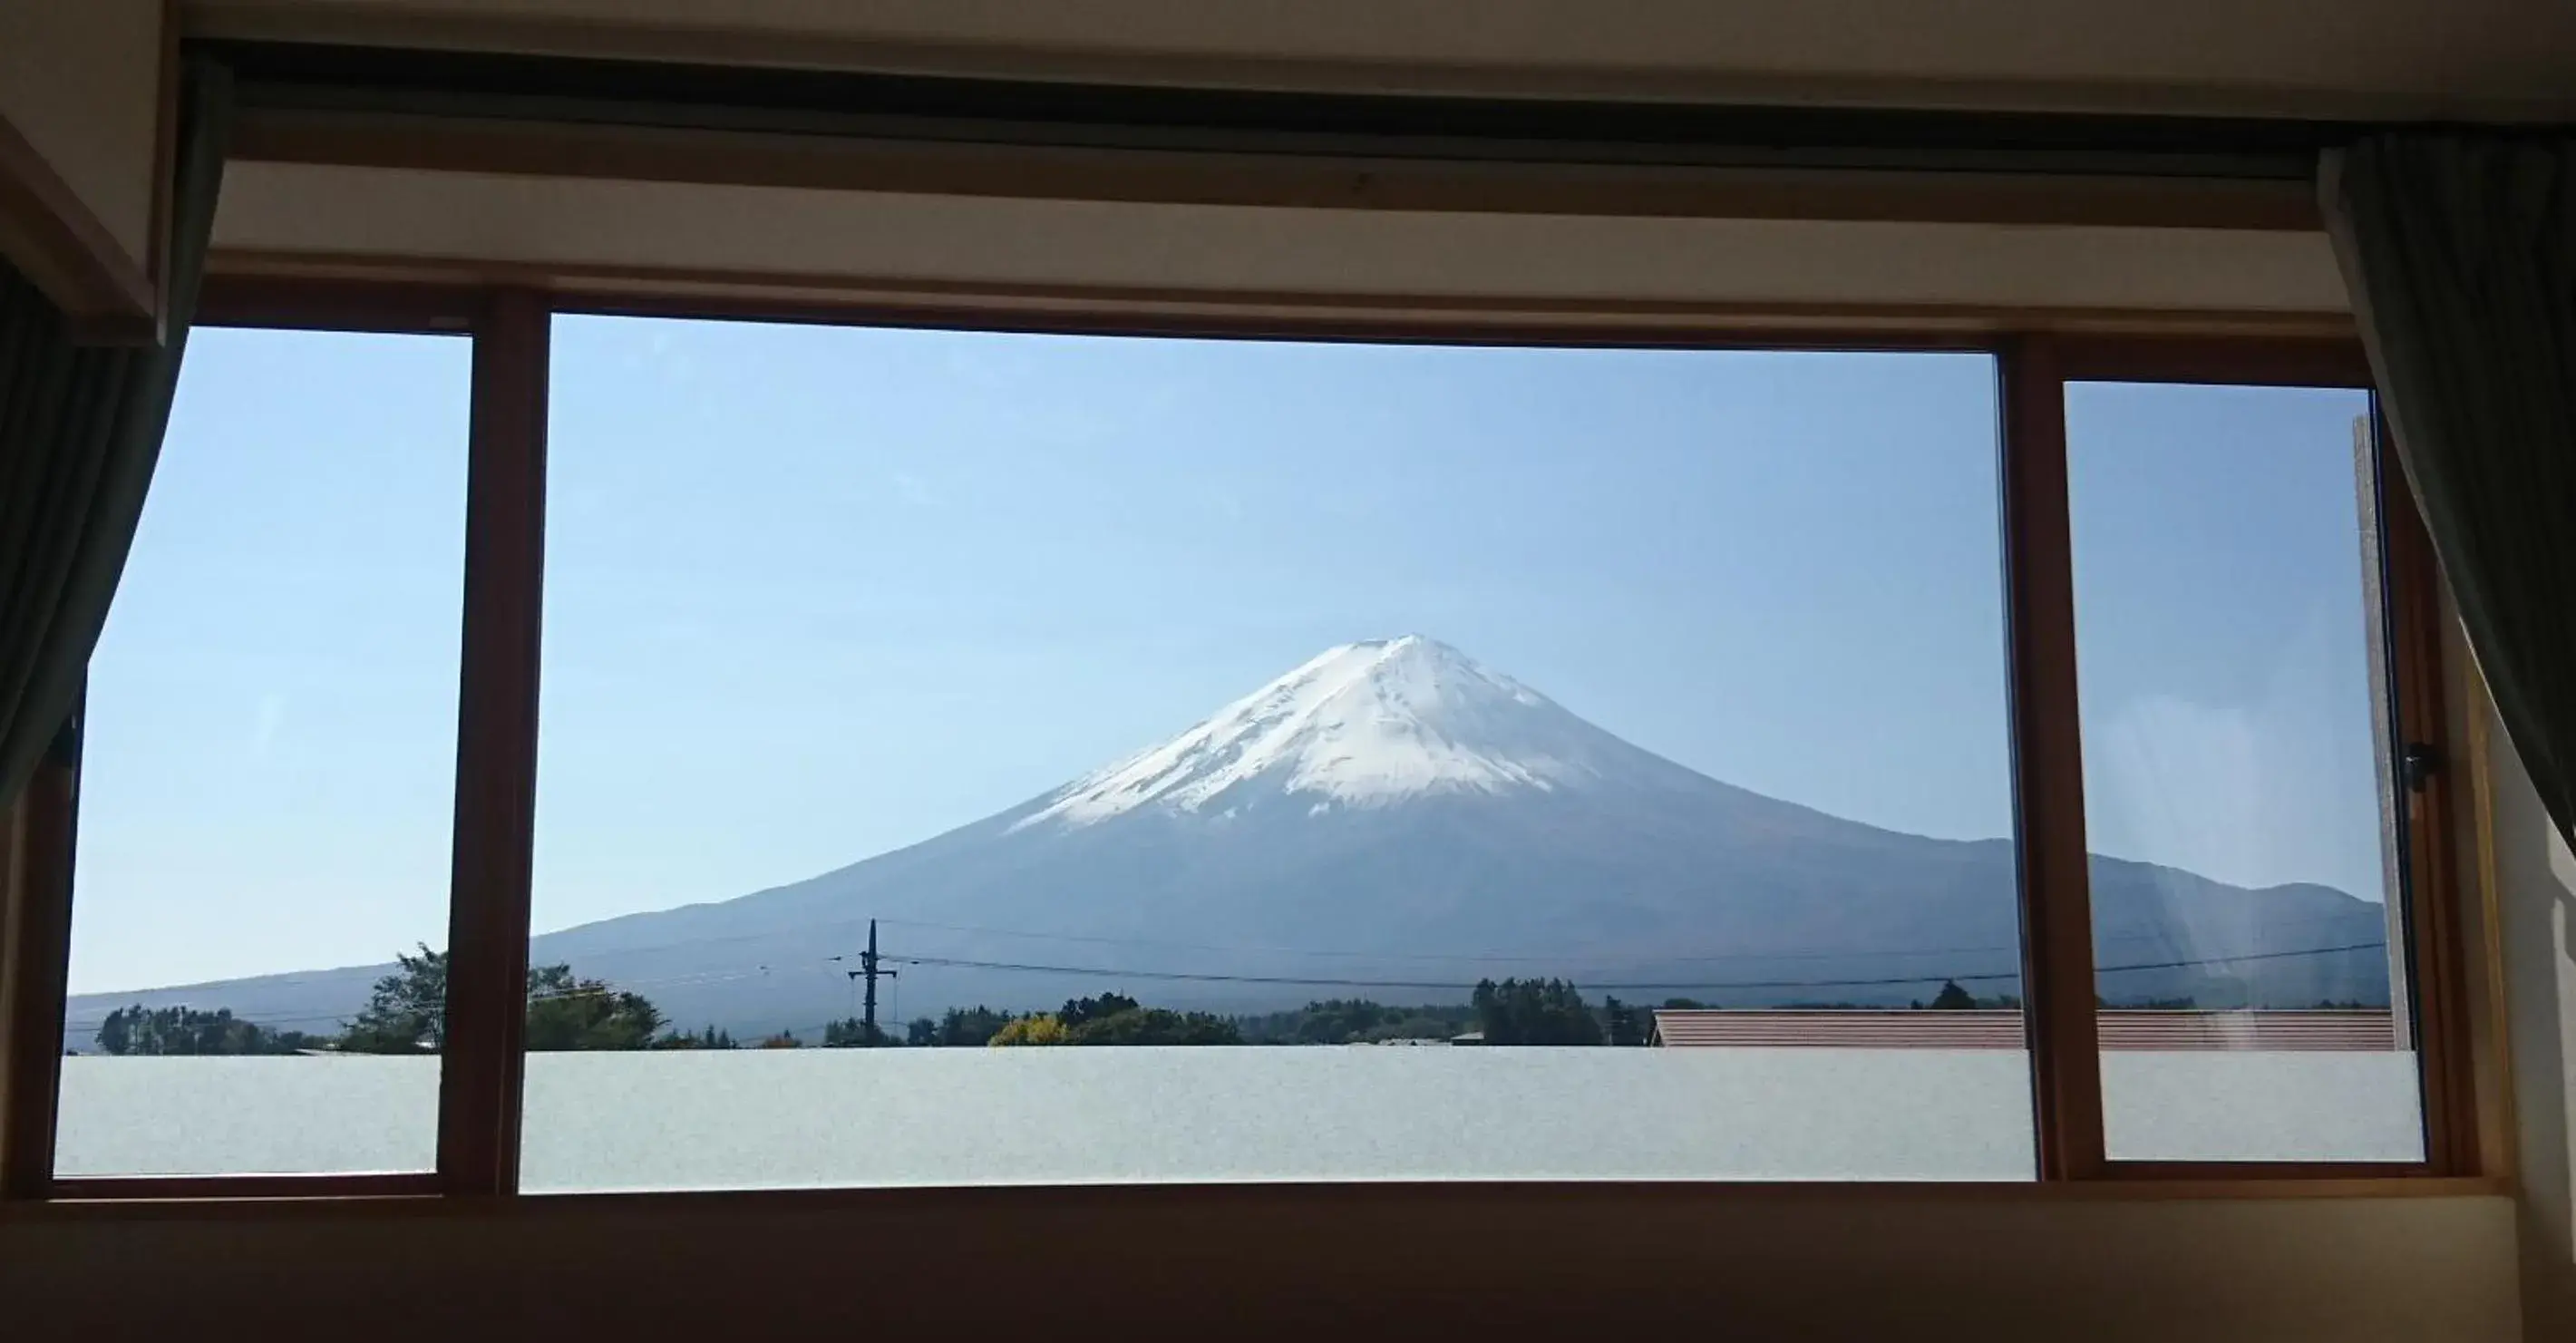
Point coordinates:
pixel 2399 60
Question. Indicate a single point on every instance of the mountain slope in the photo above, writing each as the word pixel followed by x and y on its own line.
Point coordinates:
pixel 1396 817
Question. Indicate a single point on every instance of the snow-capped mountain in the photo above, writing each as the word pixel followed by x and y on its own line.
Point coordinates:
pixel 1393 820
pixel 1365 724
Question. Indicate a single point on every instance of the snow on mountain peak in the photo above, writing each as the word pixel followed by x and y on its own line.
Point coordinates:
pixel 1363 724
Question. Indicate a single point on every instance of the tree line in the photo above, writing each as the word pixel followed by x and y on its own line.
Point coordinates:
pixel 185 1030
pixel 1105 1019
pixel 406 1013
pixel 1509 1012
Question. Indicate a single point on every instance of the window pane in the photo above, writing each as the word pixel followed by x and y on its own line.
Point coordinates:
pixel 1158 693
pixel 267 770
pixel 2237 777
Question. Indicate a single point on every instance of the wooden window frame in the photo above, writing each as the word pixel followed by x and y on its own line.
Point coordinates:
pixel 480 1081
pixel 2412 610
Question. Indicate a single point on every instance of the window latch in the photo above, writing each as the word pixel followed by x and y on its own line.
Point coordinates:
pixel 2418 766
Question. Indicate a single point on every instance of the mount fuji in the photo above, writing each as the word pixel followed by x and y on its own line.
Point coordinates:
pixel 1394 820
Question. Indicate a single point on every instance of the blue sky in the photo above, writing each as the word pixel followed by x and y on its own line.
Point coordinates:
pixel 816 593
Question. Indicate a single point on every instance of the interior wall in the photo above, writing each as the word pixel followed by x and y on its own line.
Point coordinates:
pixel 2533 876
pixel 1382 1261
pixel 2378 58
pixel 81 80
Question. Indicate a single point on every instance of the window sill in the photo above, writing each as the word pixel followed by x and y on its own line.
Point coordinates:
pixel 162 1200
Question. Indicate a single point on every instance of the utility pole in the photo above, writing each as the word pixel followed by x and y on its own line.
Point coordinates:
pixel 868 971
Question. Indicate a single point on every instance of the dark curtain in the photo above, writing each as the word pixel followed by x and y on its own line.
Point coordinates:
pixel 80 430
pixel 2460 252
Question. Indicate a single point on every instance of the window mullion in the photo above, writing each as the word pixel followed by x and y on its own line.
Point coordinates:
pixel 2048 766
pixel 496 755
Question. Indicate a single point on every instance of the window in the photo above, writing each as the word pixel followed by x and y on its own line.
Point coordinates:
pixel 1256 694
pixel 1410 761
pixel 2241 774
pixel 267 771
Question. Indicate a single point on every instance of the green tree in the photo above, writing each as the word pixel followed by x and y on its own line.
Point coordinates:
pixel 149 1032
pixel 1952 998
pixel 920 1032
pixel 1421 1023
pixel 567 1013
pixel 710 1038
pixel 116 1034
pixel 407 1011
pixel 1037 1029
pixel 1534 1012
pixel 1077 1011
pixel 1154 1026
pixel 1339 1021
pixel 970 1027
pixel 852 1033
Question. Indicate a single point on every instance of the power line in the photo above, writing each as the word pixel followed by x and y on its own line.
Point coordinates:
pixel 1560 958
pixel 1326 982
pixel 718 977
pixel 299 979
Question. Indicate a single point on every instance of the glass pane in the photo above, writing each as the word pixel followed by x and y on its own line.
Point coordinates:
pixel 267 770
pixel 1218 698
pixel 2229 633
